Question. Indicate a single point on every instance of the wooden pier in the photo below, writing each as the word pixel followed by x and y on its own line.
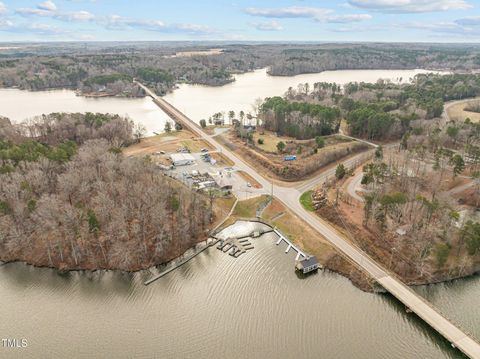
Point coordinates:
pixel 182 262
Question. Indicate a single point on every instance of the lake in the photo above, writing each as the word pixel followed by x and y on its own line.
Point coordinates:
pixel 217 306
pixel 195 100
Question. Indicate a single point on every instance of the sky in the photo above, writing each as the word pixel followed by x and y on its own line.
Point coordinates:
pixel 261 20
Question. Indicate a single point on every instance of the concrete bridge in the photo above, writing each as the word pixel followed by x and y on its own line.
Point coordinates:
pixel 171 111
pixel 291 198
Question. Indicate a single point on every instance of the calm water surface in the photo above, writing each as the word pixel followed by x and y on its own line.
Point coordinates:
pixel 217 306
pixel 196 101
pixel 19 105
pixel 199 101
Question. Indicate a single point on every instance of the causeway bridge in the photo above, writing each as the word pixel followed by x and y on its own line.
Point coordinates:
pixel 172 112
pixel 290 197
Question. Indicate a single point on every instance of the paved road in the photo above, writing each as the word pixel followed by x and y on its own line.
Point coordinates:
pixel 291 198
pixel 445 117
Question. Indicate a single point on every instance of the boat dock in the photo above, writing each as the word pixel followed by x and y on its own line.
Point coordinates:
pixel 235 246
pixel 290 245
pixel 182 262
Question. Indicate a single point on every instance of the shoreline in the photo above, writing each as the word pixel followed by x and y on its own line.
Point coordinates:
pixel 233 79
pixel 338 265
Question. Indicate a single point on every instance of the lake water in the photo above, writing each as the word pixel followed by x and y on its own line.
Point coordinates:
pixel 195 100
pixel 201 102
pixel 19 105
pixel 217 306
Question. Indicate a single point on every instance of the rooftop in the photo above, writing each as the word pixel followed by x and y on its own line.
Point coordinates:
pixel 308 262
pixel 177 157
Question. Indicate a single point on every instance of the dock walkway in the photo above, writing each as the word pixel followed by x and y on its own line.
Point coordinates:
pixel 182 262
pixel 290 245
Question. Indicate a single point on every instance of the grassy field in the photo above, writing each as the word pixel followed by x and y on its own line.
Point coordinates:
pixel 248 208
pixel 307 201
pixel 269 141
pixel 210 129
pixel 222 207
pixel 195 145
pixel 221 158
pixel 457 113
pixel 167 142
pixel 298 231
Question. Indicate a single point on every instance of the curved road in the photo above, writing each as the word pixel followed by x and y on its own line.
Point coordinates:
pixel 353 185
pixel 291 198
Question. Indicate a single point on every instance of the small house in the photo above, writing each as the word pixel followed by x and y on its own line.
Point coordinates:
pixel 307 265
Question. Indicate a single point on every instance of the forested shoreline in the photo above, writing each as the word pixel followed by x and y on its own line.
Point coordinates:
pixel 108 69
pixel 381 111
pixel 69 199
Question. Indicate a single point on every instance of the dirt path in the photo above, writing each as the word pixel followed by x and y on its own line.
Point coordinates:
pixel 354 186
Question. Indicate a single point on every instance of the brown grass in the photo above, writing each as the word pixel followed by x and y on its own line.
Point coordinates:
pixel 457 112
pixel 298 231
pixel 221 158
pixel 167 142
pixel 221 208
pixel 250 179
pixel 270 141
pixel 274 167
pixel 210 129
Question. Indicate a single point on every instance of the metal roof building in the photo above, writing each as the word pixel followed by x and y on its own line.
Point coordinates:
pixel 308 265
pixel 182 159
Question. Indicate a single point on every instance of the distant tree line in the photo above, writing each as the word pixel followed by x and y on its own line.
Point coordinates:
pixel 110 68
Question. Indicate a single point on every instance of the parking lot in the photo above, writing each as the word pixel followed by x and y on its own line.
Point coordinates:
pixel 223 176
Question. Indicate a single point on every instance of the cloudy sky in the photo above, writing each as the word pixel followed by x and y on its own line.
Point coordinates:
pixel 292 20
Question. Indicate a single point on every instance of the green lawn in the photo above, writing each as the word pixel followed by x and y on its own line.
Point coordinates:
pixel 306 201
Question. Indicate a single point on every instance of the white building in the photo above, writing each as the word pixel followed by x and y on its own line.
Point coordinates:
pixel 182 159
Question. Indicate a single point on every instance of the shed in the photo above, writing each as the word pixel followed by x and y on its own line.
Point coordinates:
pixel 307 265
pixel 182 159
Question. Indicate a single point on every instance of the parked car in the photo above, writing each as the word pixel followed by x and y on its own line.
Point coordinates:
pixel 249 184
pixel 203 150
